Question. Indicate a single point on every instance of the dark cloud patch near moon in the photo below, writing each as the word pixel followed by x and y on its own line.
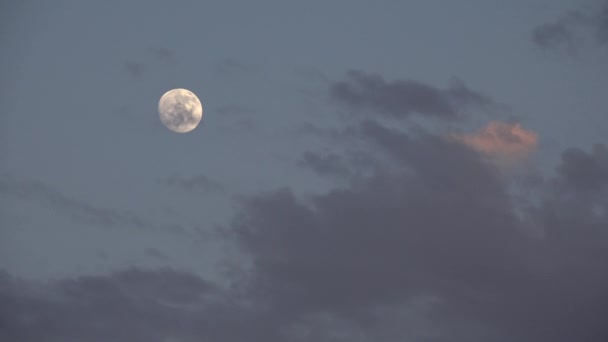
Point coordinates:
pixel 135 69
pixel 152 57
pixel 572 28
pixel 561 32
pixel 403 98
pixel 162 54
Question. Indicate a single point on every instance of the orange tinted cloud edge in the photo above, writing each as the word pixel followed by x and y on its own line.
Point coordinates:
pixel 508 142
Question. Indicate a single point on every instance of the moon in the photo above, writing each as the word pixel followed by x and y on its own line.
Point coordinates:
pixel 180 110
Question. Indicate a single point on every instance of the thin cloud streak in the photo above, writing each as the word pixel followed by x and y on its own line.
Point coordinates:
pixel 39 192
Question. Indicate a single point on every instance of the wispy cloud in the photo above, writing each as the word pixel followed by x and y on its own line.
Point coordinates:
pixel 153 56
pixel 38 191
pixel 135 69
pixel 330 164
pixel 162 54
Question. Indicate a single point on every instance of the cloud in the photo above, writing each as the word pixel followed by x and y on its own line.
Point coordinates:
pixel 402 98
pixel 135 69
pixel 79 210
pixel 330 164
pixel 386 239
pixel 441 225
pixel 585 171
pixel 134 305
pixel 506 142
pixel 152 57
pixel 560 33
pixel 161 54
pixel 130 305
pixel 427 247
pixel 572 28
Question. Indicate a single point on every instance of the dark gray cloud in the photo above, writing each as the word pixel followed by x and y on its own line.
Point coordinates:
pixel 37 191
pixel 443 225
pixel 428 247
pixel 369 238
pixel 585 171
pixel 151 305
pixel 572 28
pixel 573 218
pixel 402 98
pixel 131 305
pixel 560 33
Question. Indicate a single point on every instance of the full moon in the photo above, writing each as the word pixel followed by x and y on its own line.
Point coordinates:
pixel 180 110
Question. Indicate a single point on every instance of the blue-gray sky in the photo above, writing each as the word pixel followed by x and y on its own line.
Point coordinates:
pixel 364 171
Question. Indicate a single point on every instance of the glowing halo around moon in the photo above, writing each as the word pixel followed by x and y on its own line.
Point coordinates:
pixel 180 110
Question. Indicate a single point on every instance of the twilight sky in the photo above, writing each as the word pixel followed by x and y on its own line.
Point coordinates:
pixel 379 171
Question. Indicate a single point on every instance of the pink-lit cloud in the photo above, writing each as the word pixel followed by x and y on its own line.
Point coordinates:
pixel 504 141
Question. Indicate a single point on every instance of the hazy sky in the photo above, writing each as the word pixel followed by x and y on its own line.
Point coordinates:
pixel 364 171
